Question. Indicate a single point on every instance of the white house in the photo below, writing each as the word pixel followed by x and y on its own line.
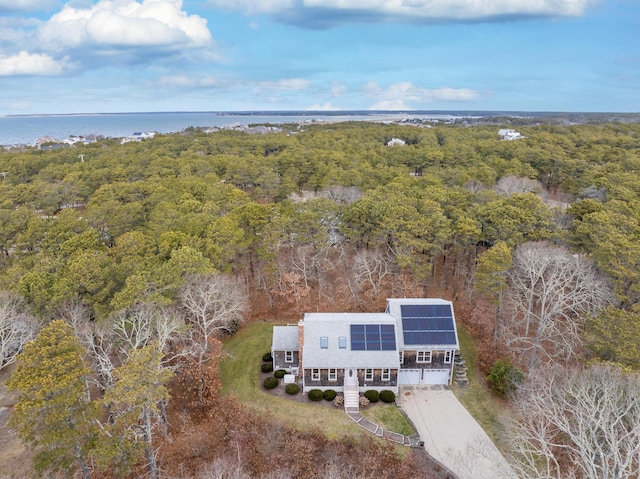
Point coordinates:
pixel 396 141
pixel 509 134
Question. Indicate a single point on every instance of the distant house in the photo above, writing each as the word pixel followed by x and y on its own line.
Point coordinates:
pixel 138 136
pixel 413 342
pixel 509 134
pixel 396 142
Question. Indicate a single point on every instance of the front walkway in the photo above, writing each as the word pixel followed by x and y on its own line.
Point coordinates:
pixel 373 428
pixel 451 435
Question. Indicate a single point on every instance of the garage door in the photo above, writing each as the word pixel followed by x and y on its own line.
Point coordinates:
pixel 436 376
pixel 409 376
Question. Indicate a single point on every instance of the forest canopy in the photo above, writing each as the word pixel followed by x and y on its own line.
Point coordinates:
pixel 152 251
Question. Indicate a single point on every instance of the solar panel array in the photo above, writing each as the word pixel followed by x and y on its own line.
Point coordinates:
pixel 429 324
pixel 373 337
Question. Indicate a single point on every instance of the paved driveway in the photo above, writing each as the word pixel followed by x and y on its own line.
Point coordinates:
pixel 451 435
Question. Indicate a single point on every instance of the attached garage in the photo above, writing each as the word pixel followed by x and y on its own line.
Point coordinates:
pixel 410 376
pixel 436 376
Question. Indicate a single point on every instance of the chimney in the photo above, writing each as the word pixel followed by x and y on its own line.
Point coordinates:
pixel 300 343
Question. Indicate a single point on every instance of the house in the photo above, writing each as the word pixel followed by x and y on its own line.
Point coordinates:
pixel 413 342
pixel 509 134
pixel 396 141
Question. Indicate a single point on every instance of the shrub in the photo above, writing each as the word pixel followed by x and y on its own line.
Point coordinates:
pixel 387 396
pixel 315 395
pixel 271 383
pixel 266 357
pixel 329 395
pixel 292 388
pixel 338 401
pixel 280 373
pixel 266 367
pixel 364 402
pixel 504 378
pixel 372 395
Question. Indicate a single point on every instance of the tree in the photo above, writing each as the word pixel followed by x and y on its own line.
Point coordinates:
pixel 371 269
pixel 510 185
pixel 491 277
pixel 550 294
pixel 614 335
pixel 17 326
pixel 516 219
pixel 213 304
pixel 578 424
pixel 54 414
pixel 612 237
pixel 135 400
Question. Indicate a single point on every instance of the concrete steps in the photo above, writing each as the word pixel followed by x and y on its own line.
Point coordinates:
pixel 351 400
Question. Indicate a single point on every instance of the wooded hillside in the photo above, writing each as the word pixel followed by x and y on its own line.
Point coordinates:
pixel 151 250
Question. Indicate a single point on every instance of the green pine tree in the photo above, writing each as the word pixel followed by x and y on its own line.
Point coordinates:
pixel 54 414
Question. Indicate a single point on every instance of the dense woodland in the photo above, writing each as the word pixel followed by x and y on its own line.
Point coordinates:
pixel 151 252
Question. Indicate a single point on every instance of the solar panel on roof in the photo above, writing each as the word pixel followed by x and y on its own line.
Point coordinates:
pixel 373 337
pixel 428 324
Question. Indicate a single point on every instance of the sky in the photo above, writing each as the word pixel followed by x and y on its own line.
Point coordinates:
pixel 90 56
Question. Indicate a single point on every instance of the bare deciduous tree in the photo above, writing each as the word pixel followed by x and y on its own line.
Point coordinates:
pixel 111 340
pixel 578 424
pixel 213 304
pixel 372 268
pixel 550 293
pixel 511 185
pixel 17 326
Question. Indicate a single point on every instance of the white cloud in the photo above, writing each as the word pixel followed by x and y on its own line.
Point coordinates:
pixel 252 6
pixel 325 107
pixel 398 95
pixel 25 63
pixel 188 82
pixel 303 11
pixel 16 105
pixel 338 90
pixel 289 84
pixel 25 5
pixel 389 105
pixel 126 23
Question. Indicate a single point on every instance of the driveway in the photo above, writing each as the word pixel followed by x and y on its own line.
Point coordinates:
pixel 451 435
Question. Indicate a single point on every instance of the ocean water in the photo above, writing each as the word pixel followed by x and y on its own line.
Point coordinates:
pixel 24 130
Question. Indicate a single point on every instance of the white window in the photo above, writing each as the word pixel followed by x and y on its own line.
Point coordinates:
pixel 342 342
pixel 447 357
pixel 368 374
pixel 333 374
pixel 324 342
pixel 424 357
pixel 386 374
pixel 288 356
pixel 315 375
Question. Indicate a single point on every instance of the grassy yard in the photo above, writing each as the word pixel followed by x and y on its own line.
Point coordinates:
pixel 239 373
pixel 487 409
pixel 388 416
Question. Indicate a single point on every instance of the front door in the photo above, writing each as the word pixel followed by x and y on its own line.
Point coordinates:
pixel 351 377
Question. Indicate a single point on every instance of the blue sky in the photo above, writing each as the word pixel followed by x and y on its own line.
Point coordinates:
pixel 85 56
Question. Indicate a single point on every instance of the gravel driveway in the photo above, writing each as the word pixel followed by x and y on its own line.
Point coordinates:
pixel 451 435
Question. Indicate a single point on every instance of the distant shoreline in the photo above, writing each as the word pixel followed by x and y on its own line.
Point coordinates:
pixel 409 113
pixel 25 130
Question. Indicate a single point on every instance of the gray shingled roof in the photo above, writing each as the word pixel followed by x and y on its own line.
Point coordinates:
pixel 285 338
pixel 336 325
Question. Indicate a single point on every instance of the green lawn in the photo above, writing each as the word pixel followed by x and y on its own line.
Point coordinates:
pixel 486 408
pixel 389 417
pixel 239 373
